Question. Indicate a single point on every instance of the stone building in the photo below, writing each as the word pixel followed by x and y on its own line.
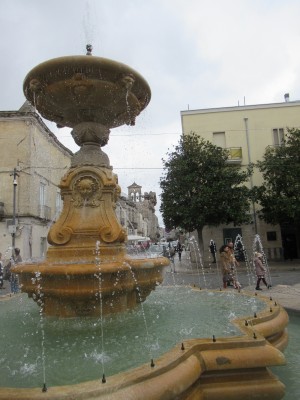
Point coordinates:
pixel 32 162
pixel 246 131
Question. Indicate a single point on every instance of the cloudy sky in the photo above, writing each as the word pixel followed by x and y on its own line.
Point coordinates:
pixel 193 53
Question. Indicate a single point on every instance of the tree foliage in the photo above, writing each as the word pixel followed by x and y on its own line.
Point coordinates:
pixel 200 188
pixel 279 196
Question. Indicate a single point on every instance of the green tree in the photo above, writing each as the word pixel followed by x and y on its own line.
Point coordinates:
pixel 200 188
pixel 279 195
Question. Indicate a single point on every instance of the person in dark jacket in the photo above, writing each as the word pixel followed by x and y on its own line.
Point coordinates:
pixel 179 249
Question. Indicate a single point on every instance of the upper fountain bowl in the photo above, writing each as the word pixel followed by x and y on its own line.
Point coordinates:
pixel 76 89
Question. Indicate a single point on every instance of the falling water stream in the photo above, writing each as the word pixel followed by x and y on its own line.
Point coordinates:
pixel 200 270
pixel 143 314
pixel 99 277
pixel 38 282
pixel 257 246
pixel 198 258
pixel 239 246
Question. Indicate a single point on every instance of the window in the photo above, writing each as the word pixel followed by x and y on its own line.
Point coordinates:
pixel 278 136
pixel 58 202
pixel 219 139
pixel 43 247
pixel 42 194
pixel 44 211
pixel 271 236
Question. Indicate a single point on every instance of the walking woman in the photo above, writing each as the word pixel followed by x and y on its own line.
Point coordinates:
pixel 260 270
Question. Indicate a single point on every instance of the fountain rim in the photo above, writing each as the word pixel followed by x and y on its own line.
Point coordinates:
pixel 90 64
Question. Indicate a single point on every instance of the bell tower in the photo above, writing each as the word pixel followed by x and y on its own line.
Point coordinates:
pixel 135 192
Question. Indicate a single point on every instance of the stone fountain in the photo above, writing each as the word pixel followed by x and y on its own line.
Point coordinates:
pixel 91 95
pixel 87 254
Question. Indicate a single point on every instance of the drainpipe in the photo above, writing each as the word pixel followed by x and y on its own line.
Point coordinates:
pixel 251 179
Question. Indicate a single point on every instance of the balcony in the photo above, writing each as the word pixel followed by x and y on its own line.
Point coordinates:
pixel 235 155
pixel 44 212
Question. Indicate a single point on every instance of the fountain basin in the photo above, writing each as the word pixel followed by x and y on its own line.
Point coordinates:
pixel 72 290
pixel 75 89
pixel 200 368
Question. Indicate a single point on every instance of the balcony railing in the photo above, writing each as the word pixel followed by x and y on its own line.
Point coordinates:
pixel 44 212
pixel 235 155
pixel 275 146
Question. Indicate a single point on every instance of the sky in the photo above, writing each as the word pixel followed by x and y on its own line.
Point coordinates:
pixel 194 54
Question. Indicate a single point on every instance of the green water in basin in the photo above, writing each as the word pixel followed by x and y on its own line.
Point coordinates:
pixel 70 351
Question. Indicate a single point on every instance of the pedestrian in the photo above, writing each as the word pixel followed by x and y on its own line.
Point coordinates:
pixel 260 270
pixel 171 255
pixel 1 272
pixel 225 260
pixel 234 261
pixel 213 250
pixel 233 267
pixel 165 254
pixel 179 249
pixel 13 278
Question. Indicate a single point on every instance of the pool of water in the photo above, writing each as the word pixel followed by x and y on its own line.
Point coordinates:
pixel 68 351
pixel 290 373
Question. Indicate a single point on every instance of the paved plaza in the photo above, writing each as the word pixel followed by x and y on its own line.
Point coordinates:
pixel 283 276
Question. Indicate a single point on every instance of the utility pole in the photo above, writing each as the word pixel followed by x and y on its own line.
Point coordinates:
pixel 13 229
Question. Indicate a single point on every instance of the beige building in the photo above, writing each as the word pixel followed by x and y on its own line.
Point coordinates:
pixel 32 162
pixel 246 131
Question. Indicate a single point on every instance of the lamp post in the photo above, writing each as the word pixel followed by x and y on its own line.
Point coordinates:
pixel 251 180
pixel 15 184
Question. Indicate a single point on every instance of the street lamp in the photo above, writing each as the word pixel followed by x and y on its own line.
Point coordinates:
pixel 13 228
pixel 251 180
